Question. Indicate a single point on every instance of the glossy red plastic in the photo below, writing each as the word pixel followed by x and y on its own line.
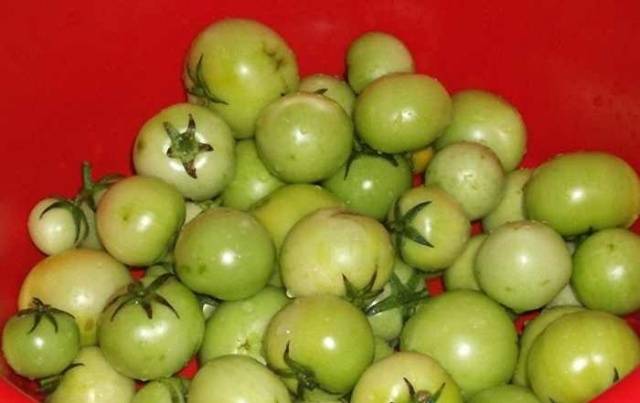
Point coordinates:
pixel 79 77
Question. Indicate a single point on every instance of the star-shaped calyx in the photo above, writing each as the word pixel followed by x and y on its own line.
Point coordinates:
pixel 199 87
pixel 404 296
pixel 402 226
pixel 361 149
pixel 40 311
pixel 185 147
pixel 303 374
pixel 138 294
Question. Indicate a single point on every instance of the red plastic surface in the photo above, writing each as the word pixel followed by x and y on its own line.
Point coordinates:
pixel 79 77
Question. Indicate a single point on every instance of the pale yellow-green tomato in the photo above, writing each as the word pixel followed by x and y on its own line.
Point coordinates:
pixel 511 205
pixel 95 381
pixel 236 67
pixel 331 87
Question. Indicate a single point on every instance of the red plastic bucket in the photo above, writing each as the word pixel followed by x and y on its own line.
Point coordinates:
pixel 78 79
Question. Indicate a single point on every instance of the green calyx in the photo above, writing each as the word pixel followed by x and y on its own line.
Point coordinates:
pixel 422 396
pixel 303 374
pixel 41 311
pixel 402 296
pixel 184 146
pixel 79 218
pixel 138 294
pixel 199 87
pixel 91 188
pixel 402 226
pixel 360 297
pixel 361 149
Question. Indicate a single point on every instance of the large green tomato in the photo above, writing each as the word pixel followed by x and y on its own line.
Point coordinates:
pixel 460 275
pixel 238 327
pixel 304 137
pixel 333 251
pixel 166 390
pixel 282 209
pixel 93 380
pixel 152 329
pixel 505 394
pixel 236 379
pixel 397 301
pixel 252 180
pixel 486 118
pixel 319 342
pixel 78 281
pixel 332 88
pixel 469 334
pixel 236 67
pixel 374 55
pixel 523 265
pixel 369 184
pixel 606 271
pixel 189 147
pixel 531 331
pixel 138 219
pixel 580 355
pixel 406 377
pixel 40 341
pixel 224 253
pixel 583 191
pixel 402 112
pixel 471 173
pixel 430 228
pixel 511 205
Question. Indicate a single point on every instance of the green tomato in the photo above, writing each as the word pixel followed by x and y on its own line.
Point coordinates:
pixel 469 334
pixel 319 396
pixel 471 173
pixel 369 184
pixel 393 379
pixel 460 275
pixel 304 137
pixel 41 341
pixel 336 252
pixel 606 271
pixel 189 147
pixel 78 281
pixel 387 312
pixel 138 219
pixel 224 253
pixel 374 55
pixel 511 206
pixel 166 390
pixel 152 329
pixel 438 218
pixel 238 327
pixel 505 394
pixel 320 341
pixel 486 118
pixel 236 67
pixel 282 209
pixel 583 191
pixel 566 297
pixel 193 209
pixel 402 112
pixel 531 331
pixel 580 355
pixel 252 180
pixel 54 229
pixel 523 265
pixel 92 381
pixel 236 379
pixel 332 88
